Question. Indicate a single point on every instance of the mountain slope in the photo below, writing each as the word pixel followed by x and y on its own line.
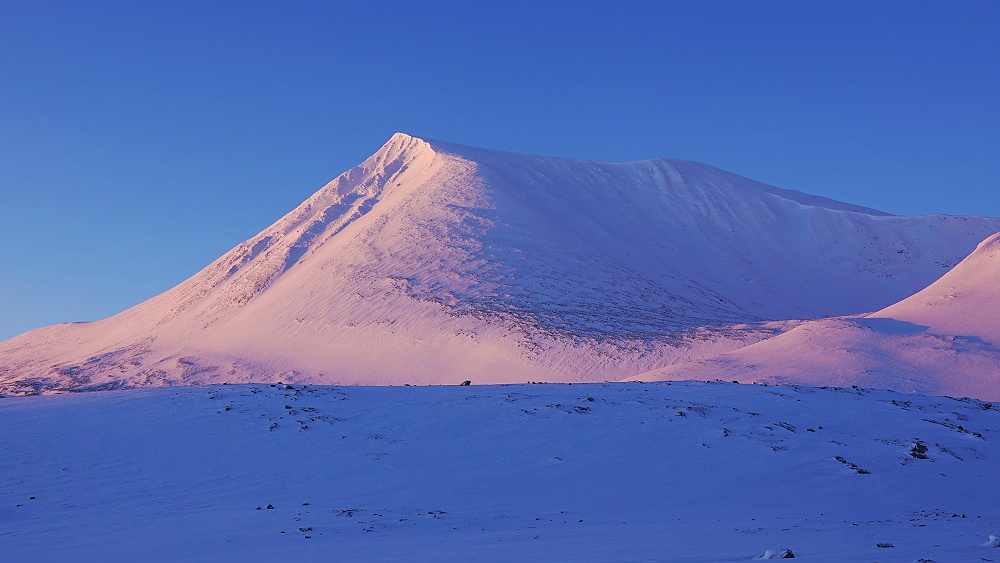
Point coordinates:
pixel 965 301
pixel 944 340
pixel 432 262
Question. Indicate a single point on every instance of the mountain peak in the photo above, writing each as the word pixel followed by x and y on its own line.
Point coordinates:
pixel 400 138
pixel 397 145
pixel 432 261
pixel 403 148
pixel 400 142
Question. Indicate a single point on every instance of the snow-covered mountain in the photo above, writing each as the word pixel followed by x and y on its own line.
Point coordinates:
pixel 432 262
pixel 945 340
pixel 683 472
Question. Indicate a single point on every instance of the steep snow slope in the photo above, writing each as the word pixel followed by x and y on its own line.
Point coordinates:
pixel 433 262
pixel 965 301
pixel 944 340
pixel 693 472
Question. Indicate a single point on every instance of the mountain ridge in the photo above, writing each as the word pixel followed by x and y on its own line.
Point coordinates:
pixel 680 165
pixel 430 262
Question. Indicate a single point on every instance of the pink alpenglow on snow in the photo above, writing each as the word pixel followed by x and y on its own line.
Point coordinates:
pixel 435 263
pixel 965 301
pixel 944 340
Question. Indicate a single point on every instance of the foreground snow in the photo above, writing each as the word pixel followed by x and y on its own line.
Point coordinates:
pixel 704 472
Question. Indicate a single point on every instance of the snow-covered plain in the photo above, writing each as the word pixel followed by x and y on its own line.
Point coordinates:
pixel 683 472
pixel 435 263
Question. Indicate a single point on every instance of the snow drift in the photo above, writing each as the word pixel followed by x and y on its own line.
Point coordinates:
pixel 434 263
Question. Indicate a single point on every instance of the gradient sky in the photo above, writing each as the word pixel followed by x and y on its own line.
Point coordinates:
pixel 138 142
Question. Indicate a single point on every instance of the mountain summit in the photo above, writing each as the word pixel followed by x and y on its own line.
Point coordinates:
pixel 432 262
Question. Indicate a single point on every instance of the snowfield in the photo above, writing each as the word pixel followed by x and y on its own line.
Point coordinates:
pixel 687 472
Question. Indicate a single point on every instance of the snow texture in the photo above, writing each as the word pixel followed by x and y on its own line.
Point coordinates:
pixel 683 472
pixel 437 263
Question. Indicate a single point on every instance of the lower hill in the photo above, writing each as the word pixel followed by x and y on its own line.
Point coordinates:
pixel 944 340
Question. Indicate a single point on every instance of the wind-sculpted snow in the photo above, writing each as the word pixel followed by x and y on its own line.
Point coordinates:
pixel 684 472
pixel 432 262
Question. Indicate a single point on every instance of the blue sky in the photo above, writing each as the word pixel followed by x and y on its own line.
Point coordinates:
pixel 139 141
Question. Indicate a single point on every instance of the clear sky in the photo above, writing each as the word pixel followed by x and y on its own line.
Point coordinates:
pixel 140 140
